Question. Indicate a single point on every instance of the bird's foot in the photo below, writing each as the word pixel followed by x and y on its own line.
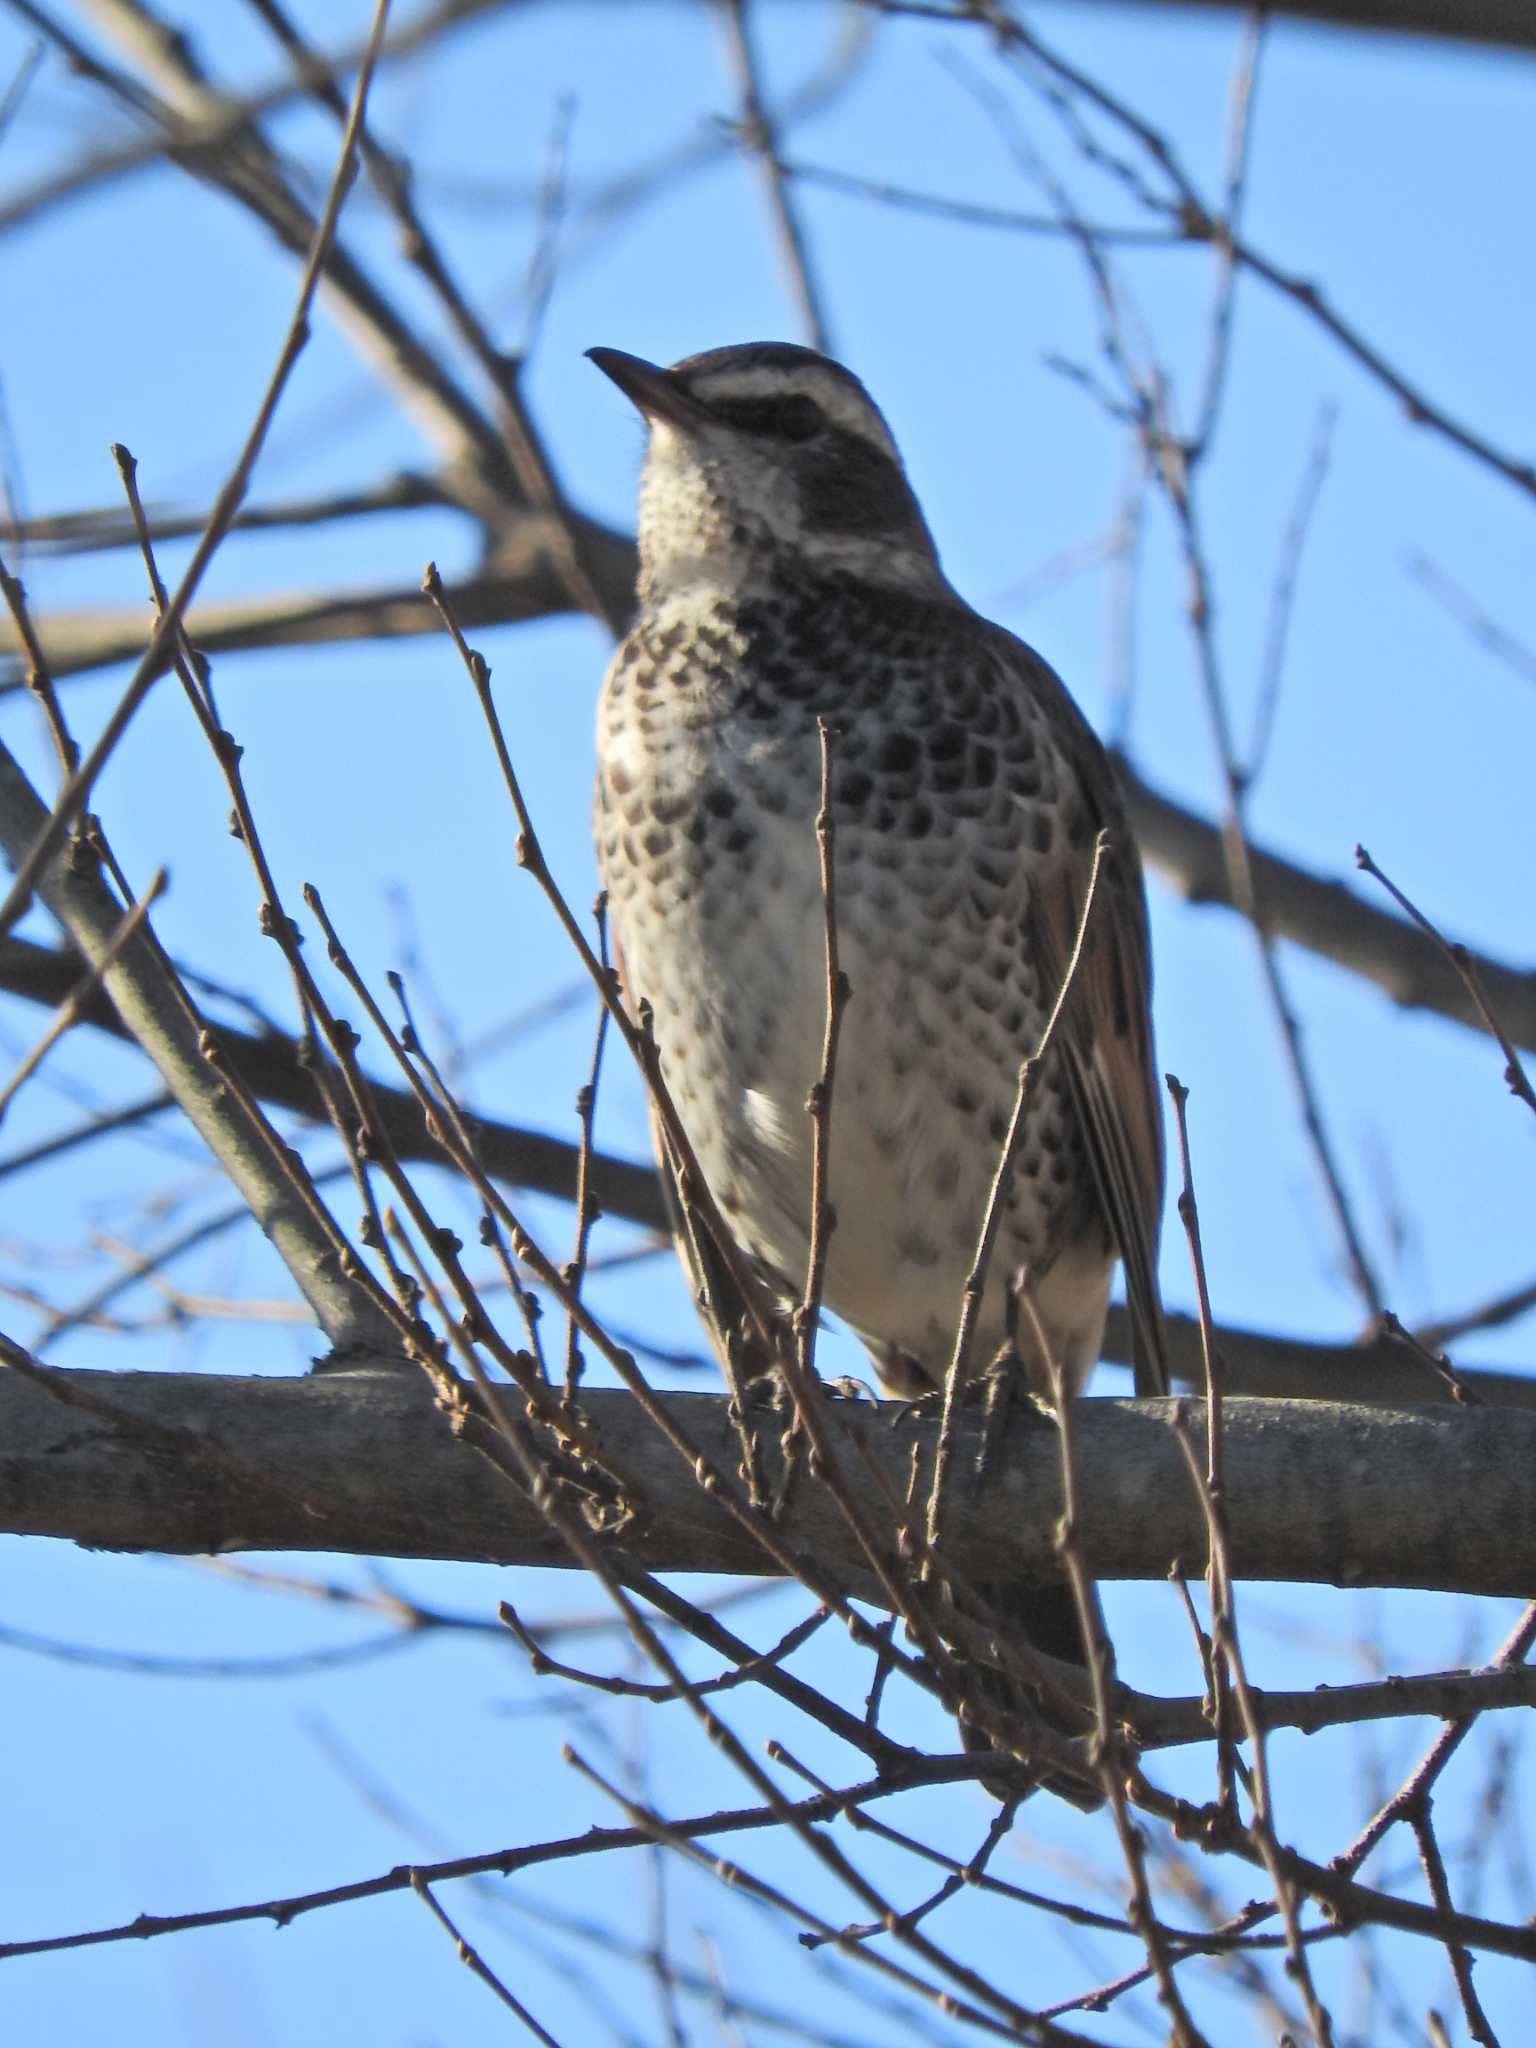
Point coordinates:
pixel 848 1387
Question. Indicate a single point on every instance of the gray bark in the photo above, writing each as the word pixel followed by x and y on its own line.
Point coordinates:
pixel 1473 21
pixel 363 1463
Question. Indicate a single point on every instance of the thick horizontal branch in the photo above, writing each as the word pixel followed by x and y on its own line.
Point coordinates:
pixel 1474 21
pixel 362 1463
pixel 1259 1363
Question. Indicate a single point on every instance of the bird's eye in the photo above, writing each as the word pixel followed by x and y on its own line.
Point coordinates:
pixel 794 417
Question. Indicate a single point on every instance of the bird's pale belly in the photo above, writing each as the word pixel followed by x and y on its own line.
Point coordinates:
pixel 732 959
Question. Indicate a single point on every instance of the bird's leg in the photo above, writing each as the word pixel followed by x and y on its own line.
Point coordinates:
pixel 756 1387
pixel 999 1387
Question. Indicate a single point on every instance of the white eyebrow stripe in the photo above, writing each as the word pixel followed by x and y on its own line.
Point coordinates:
pixel 839 401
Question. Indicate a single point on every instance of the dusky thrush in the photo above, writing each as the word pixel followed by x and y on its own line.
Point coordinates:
pixel 787 577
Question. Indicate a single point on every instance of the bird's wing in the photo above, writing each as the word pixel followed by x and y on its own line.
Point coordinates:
pixel 1105 1032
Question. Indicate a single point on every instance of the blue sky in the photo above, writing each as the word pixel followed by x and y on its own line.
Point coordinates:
pixel 1396 174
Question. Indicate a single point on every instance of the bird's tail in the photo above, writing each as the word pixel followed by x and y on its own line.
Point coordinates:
pixel 1044 1620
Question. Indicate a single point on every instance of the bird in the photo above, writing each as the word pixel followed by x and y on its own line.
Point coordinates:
pixel 789 585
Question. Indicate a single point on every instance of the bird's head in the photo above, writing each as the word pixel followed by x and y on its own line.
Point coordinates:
pixel 768 461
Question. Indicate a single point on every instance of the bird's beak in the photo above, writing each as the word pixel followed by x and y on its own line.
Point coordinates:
pixel 653 391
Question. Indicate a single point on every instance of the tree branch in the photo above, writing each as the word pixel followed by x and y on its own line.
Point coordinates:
pixel 1473 21
pixel 138 986
pixel 521 581
pixel 1327 918
pixel 361 1462
pixel 1255 1362
pixel 100 528
pixel 273 1067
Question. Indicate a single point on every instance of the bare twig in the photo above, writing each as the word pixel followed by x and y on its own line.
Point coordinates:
pixel 749 1670
pixel 39 678
pixel 1226 1645
pixel 976 1279
pixel 760 139
pixel 992 2012
pixel 474 1961
pixel 100 1125
pixel 70 1011
pixel 1513 1651
pixel 1493 638
pixel 1235 181
pixel 76 791
pixel 587 1211
pixel 1420 1819
pixel 819 1107
pixel 1505 1307
pixel 1282 601
pixel 532 469
pixel 1217 1583
pixel 1110 1754
pixel 157 1011
pixel 1461 960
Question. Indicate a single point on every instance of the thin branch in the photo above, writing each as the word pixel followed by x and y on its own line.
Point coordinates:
pixel 1511 1653
pixel 997 1198
pixel 1243 875
pixel 144 1664
pixel 77 789
pixel 157 1012
pixel 1239 139
pixel 1421 1821
pixel 968 212
pixel 1325 917
pixel 226 116
pixel 1006 2018
pixel 750 1669
pixel 101 1125
pixel 1217 1579
pixel 1110 1755
pixel 39 675
pixel 587 1211
pixel 72 1009
pixel 1466 967
pixel 282 1912
pixel 101 528
pixel 760 139
pixel 819 1106
pixel 1493 638
pixel 1212 1489
pixel 534 473
pixel 1282 602
pixel 475 1962
pixel 1505 1307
